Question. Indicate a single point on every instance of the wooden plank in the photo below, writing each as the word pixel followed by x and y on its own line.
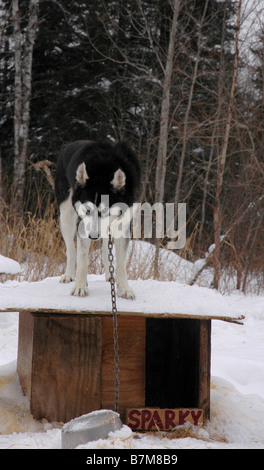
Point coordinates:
pixel 158 419
pixel 66 367
pixel 238 319
pixel 25 351
pixel 205 367
pixel 131 340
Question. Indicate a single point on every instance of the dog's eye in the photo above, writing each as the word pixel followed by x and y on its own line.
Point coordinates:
pixel 89 211
pixel 89 208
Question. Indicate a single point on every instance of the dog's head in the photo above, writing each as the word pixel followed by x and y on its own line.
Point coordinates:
pixel 98 198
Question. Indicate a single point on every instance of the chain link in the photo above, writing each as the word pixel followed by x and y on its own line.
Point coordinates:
pixel 114 316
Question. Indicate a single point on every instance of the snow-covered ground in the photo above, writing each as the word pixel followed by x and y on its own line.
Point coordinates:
pixel 237 393
pixel 9 266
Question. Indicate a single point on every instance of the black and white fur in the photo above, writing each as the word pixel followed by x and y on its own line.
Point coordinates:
pixel 86 170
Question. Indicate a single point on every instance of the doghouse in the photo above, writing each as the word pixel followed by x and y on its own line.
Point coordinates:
pixel 66 353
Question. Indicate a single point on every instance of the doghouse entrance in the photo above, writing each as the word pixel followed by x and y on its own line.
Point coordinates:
pixel 172 363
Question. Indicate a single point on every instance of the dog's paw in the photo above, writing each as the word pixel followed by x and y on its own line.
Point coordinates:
pixel 126 293
pixel 79 291
pixel 65 279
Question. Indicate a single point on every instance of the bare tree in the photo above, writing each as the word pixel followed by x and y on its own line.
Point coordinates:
pixel 165 109
pixel 189 105
pixel 215 133
pixel 24 40
pixel 161 164
pixel 222 157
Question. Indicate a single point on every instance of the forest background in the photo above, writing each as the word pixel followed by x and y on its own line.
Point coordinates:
pixel 181 80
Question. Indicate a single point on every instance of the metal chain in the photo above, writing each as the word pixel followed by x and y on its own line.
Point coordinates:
pixel 114 316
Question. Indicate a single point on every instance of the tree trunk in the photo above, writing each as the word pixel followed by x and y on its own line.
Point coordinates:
pixel 215 133
pixel 222 159
pixel 187 114
pixel 165 108
pixel 23 53
pixel 164 122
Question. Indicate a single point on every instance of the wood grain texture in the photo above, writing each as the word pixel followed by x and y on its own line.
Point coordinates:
pixel 25 351
pixel 160 419
pixel 205 367
pixel 66 367
pixel 66 363
pixel 131 338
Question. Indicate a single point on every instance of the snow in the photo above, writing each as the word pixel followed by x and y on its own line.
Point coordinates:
pixel 152 297
pixel 237 385
pixel 9 266
pixel 80 424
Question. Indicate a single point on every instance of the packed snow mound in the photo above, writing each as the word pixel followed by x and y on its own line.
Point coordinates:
pixel 9 266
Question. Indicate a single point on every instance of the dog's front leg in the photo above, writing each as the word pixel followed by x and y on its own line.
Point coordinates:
pixel 68 220
pixel 81 287
pixel 106 259
pixel 123 289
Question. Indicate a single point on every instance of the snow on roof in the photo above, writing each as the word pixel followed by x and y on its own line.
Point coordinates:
pixel 9 266
pixel 153 298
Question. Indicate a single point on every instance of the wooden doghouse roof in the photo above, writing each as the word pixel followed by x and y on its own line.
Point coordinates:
pixel 153 299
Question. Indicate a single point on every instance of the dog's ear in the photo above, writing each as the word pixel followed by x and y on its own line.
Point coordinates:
pixel 119 179
pixel 81 174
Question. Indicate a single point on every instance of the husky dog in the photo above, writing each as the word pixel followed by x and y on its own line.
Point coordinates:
pixel 95 179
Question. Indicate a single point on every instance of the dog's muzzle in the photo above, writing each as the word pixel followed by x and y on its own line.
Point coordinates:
pixel 93 223
pixel 94 236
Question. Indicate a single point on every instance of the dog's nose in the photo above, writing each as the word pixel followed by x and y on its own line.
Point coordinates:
pixel 94 236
